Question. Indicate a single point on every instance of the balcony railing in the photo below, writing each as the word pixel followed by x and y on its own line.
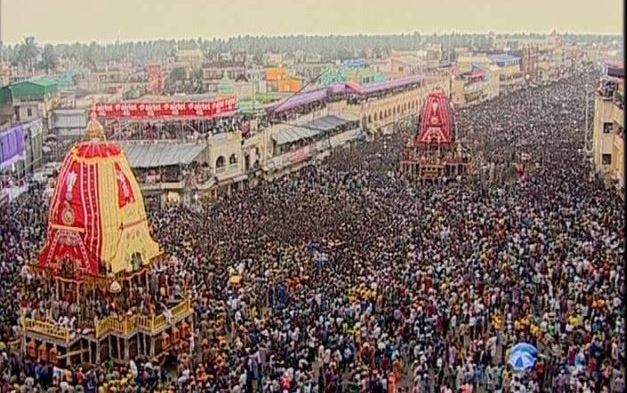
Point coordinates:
pixel 118 325
pixel 47 329
pixel 130 324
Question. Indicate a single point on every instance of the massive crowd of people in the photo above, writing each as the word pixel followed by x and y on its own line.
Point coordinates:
pixel 353 279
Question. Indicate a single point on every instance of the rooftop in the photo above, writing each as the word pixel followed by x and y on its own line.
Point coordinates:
pixel 614 69
pixel 175 98
pixel 504 57
pixel 160 154
pixel 43 82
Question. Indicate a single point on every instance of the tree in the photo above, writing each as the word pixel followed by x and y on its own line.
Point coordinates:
pixel 89 57
pixel 27 52
pixel 49 59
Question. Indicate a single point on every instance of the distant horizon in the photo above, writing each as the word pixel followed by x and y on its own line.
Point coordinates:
pixel 70 21
pixel 329 35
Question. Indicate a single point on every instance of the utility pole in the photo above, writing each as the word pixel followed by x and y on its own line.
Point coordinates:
pixel 586 134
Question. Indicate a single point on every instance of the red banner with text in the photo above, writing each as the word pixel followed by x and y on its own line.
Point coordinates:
pixel 167 110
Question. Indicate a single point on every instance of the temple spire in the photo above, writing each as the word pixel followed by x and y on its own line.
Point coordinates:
pixel 95 130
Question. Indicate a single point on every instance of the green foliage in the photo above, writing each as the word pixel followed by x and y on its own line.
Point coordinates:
pixel 27 52
pixel 331 47
pixel 49 59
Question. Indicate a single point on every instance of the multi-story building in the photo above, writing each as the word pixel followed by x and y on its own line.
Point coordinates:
pixel 509 74
pixel 529 56
pixel 479 84
pixel 272 59
pixel 192 56
pixel 299 131
pixel 608 133
pixel 467 63
pixel 26 106
pixel 357 71
pixel 212 72
pixel 68 123
pixel 41 90
pixel 279 80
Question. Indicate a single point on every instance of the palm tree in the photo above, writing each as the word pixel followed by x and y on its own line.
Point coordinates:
pixel 27 52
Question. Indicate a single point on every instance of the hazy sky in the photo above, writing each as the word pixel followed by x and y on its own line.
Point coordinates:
pixel 101 20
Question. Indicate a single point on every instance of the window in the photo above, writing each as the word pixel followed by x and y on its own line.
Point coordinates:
pixel 607 128
pixel 29 112
pixel 606 159
pixel 220 162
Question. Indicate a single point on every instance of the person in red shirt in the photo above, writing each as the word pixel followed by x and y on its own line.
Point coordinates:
pixel 540 372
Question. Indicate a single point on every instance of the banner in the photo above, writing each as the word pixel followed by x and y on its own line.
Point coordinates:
pixel 300 155
pixel 167 110
pixel 12 146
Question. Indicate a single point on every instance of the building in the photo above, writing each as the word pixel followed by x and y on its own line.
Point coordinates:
pixel 68 123
pixel 278 80
pixel 357 73
pixel 508 63
pixel 156 79
pixel 12 147
pixel 315 122
pixel 272 59
pixel 360 72
pixel 608 132
pixel 191 56
pixel 167 170
pixel 42 90
pixel 5 73
pixel 214 72
pixel 508 70
pixel 465 63
pixel 479 84
pixel 25 106
pixel 66 80
pixel 21 147
pixel 310 71
pixel 529 57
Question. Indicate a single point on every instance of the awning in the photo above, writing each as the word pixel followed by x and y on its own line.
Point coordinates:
pixel 326 123
pixel 387 85
pixel 300 99
pixel 292 134
pixel 155 155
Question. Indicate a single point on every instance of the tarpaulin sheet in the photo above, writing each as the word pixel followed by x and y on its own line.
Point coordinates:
pixel 12 146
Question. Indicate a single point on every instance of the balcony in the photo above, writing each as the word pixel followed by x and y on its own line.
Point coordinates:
pixel 126 326
pixel 164 185
pixel 131 324
pixel 227 171
pixel 46 329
